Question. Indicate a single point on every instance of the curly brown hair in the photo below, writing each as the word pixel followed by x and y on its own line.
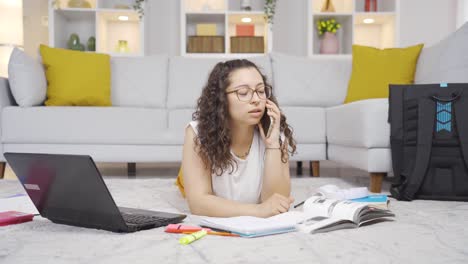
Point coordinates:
pixel 213 141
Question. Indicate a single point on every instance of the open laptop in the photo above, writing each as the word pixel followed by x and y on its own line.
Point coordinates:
pixel 68 189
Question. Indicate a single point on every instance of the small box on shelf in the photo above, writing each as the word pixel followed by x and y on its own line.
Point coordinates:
pixel 206 29
pixel 246 44
pixel 205 44
pixel 245 30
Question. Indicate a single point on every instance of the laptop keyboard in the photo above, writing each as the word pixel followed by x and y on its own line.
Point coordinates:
pixel 137 219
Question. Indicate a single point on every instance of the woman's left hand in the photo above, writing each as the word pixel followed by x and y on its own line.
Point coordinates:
pixel 275 114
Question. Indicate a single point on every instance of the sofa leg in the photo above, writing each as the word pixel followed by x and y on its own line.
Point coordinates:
pixel 131 170
pixel 299 168
pixel 376 179
pixel 315 168
pixel 2 169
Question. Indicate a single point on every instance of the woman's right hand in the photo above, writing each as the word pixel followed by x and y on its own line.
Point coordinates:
pixel 275 204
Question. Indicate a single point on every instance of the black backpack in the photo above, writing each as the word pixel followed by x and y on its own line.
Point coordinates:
pixel 429 141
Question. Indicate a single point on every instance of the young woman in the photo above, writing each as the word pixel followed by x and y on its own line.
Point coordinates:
pixel 234 162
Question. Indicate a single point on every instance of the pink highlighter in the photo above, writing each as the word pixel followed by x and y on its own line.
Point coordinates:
pixel 179 228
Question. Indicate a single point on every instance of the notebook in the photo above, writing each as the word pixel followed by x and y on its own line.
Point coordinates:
pixel 250 226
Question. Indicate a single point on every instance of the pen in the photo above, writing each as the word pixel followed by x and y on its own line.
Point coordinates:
pixel 185 240
pixel 216 233
pixel 299 204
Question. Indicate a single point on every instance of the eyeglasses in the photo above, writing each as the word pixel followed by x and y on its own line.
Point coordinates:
pixel 245 94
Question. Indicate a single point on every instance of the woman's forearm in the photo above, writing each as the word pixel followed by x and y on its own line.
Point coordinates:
pixel 212 205
pixel 275 175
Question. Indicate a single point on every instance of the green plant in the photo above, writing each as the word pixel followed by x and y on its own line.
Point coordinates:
pixel 270 6
pixel 327 25
pixel 138 6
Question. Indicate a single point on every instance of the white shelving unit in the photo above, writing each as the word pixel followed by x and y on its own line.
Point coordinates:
pixel 382 33
pixel 104 21
pixel 226 14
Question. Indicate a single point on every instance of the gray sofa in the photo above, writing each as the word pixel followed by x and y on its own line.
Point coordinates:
pixel 153 99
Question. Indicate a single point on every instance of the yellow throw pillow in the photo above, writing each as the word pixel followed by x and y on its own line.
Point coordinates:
pixel 180 182
pixel 374 69
pixel 76 78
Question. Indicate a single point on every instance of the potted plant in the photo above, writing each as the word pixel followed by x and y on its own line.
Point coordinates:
pixel 269 8
pixel 139 7
pixel 327 30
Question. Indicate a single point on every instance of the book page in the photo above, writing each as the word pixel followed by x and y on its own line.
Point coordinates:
pixel 332 208
pixel 249 225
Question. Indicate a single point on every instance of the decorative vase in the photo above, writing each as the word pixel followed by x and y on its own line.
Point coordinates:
pixel 370 6
pixel 245 5
pixel 91 44
pixel 79 4
pixel 329 44
pixel 122 46
pixel 73 43
pixel 328 6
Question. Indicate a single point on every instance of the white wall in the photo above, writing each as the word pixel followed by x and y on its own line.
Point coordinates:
pixel 426 21
pixel 35 32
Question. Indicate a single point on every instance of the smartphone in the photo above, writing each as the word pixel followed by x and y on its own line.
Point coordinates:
pixel 272 121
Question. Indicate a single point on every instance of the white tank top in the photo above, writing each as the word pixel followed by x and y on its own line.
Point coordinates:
pixel 245 183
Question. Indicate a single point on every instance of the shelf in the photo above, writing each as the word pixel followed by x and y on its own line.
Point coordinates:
pixel 246 13
pixel 111 30
pixel 68 22
pixel 380 34
pixel 344 34
pixel 116 4
pixel 332 14
pixel 255 5
pixel 102 22
pixel 341 6
pixel 204 6
pixel 64 5
pixel 382 5
pixel 223 19
pixel 379 18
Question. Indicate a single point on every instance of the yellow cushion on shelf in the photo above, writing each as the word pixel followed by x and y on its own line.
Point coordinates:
pixel 206 29
pixel 374 69
pixel 76 78
pixel 180 182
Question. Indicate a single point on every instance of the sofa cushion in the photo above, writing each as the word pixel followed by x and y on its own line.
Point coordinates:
pixel 308 123
pixel 76 78
pixel 139 81
pixel 374 69
pixel 83 125
pixel 27 79
pixel 446 61
pixel 188 76
pixel 300 81
pixel 359 124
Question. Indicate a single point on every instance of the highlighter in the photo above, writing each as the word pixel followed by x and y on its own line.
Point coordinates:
pixel 185 240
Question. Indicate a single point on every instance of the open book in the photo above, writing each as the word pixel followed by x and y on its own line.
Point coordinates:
pixel 321 214
pixel 250 226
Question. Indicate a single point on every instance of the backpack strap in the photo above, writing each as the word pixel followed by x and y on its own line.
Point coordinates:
pixel 426 118
pixel 395 118
pixel 461 108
